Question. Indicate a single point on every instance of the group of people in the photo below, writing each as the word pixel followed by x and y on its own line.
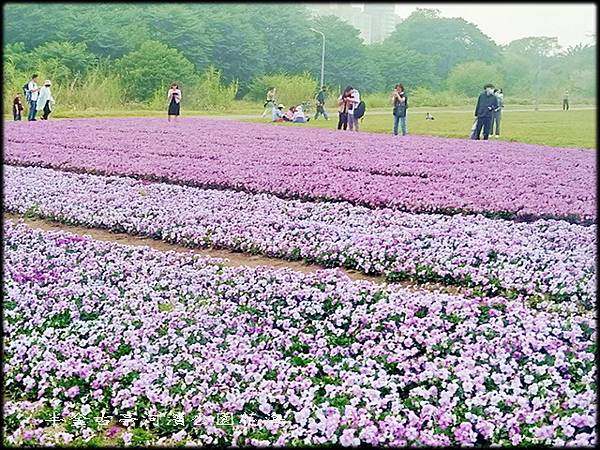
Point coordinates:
pixel 39 99
pixel 348 112
pixel 294 114
pixel 488 113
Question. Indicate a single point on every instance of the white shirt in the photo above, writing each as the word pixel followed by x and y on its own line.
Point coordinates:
pixel 177 97
pixel 354 101
pixel 299 114
pixel 31 86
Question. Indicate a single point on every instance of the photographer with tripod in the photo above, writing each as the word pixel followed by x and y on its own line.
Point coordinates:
pixel 320 99
pixel 270 102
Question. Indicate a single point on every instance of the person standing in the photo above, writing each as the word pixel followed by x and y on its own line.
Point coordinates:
pixel 174 98
pixel 400 102
pixel 353 101
pixel 566 100
pixel 497 115
pixel 270 101
pixel 34 92
pixel 343 109
pixel 486 104
pixel 320 98
pixel 17 107
pixel 45 100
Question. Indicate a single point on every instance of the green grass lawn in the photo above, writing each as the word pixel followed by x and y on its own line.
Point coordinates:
pixel 575 128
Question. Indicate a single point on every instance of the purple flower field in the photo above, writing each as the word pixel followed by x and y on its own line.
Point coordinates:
pixel 417 174
pixel 544 257
pixel 189 351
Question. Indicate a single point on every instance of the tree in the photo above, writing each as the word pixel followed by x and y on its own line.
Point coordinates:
pixel 537 52
pixel 188 33
pixel 446 41
pixel 470 77
pixel 75 57
pixel 535 46
pixel 153 66
pixel 400 65
pixel 291 47
pixel 344 53
pixel 238 51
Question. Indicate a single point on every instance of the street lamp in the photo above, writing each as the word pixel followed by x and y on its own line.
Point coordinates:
pixel 322 56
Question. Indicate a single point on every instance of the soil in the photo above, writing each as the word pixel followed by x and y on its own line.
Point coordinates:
pixel 234 259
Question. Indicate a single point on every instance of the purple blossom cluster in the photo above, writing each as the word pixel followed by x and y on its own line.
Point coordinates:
pixel 93 327
pixel 545 257
pixel 417 173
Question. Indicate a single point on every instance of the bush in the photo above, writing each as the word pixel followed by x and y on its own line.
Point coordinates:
pixel 291 89
pixel 425 97
pixel 212 93
pixel 378 100
pixel 99 88
pixel 154 66
pixel 469 78
pixel 419 97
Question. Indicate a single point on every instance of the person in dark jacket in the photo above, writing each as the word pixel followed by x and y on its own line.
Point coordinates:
pixel 487 103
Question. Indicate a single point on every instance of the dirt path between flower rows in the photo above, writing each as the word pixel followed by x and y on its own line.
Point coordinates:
pixel 234 259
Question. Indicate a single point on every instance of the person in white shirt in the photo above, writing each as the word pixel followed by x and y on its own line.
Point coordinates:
pixel 45 100
pixel 33 89
pixel 497 113
pixel 174 97
pixel 299 115
pixel 353 102
pixel 270 102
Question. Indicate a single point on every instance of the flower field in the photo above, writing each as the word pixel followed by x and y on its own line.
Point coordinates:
pixel 110 344
pixel 418 174
pixel 548 257
pixel 97 328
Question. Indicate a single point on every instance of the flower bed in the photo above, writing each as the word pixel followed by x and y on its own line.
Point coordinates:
pixel 259 356
pixel 415 174
pixel 496 256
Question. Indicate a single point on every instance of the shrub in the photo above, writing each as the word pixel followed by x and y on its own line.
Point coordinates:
pixel 469 78
pixel 212 93
pixel 154 66
pixel 291 89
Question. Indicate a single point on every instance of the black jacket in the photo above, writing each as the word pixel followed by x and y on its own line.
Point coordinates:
pixel 486 104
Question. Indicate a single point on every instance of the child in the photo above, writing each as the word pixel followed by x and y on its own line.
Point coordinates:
pixel 17 107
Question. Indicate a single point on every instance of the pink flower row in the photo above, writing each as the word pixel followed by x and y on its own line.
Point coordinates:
pixel 414 174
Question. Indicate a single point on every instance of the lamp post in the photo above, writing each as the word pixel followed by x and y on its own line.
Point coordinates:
pixel 322 56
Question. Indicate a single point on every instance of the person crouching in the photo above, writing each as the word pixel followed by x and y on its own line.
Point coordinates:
pixel 278 113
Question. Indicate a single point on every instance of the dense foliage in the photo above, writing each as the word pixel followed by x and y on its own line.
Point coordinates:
pixel 149 45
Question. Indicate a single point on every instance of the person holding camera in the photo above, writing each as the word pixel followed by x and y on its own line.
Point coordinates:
pixel 343 108
pixel 320 99
pixel 400 102
pixel 174 98
pixel 487 103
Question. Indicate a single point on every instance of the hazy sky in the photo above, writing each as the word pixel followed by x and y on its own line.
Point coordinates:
pixel 504 22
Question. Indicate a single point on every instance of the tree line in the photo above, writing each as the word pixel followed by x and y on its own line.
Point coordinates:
pixel 234 48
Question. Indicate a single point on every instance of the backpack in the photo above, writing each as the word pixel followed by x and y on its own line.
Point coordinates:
pixel 27 92
pixel 359 111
